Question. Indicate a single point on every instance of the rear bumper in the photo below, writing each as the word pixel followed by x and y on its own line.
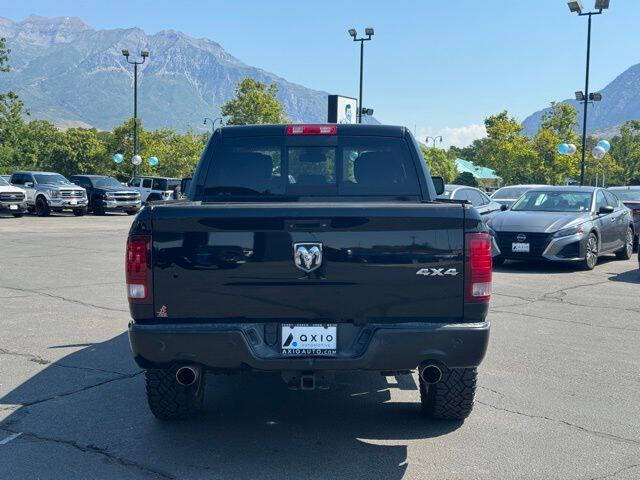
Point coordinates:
pixel 255 347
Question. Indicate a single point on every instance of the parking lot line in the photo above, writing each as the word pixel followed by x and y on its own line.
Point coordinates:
pixel 10 438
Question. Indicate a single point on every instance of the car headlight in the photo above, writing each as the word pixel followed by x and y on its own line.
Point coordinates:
pixel 569 231
pixel 54 193
pixel 108 195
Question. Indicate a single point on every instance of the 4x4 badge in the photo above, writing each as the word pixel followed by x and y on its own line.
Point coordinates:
pixel 437 272
pixel 307 256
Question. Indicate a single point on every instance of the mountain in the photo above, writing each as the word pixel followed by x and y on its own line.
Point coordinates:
pixel 620 103
pixel 73 75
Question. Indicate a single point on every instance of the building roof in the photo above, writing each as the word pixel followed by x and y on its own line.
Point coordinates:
pixel 483 173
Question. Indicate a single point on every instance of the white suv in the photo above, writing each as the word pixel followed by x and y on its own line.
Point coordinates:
pixel 153 189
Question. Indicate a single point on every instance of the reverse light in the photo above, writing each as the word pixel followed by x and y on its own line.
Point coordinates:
pixel 479 268
pixel 312 130
pixel 138 268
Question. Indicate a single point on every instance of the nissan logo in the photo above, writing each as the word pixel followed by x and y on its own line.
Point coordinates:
pixel 521 237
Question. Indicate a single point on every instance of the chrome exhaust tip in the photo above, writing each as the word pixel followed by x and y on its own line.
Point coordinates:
pixel 186 376
pixel 430 373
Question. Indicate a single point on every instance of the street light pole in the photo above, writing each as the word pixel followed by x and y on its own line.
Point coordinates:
pixel 439 137
pixel 144 54
pixel 213 123
pixel 369 33
pixel 586 99
pixel 576 6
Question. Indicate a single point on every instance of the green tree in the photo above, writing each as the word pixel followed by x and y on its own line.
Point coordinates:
pixel 466 178
pixel 440 163
pixel 254 103
pixel 625 150
pixel 510 154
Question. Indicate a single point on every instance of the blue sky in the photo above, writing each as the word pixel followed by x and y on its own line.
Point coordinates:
pixel 438 66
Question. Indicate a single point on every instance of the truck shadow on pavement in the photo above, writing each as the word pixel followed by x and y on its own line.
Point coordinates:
pixel 93 400
pixel 630 276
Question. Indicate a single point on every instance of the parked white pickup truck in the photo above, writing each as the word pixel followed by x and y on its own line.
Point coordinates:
pixel 12 199
pixel 153 189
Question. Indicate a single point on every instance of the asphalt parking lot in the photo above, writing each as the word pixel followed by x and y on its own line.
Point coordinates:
pixel 559 392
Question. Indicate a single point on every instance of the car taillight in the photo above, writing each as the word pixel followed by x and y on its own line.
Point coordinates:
pixel 479 267
pixel 636 212
pixel 138 268
pixel 312 130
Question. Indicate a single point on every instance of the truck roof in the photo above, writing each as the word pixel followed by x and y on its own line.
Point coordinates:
pixel 342 129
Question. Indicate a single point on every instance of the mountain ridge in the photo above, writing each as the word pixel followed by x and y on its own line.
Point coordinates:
pixel 69 73
pixel 620 103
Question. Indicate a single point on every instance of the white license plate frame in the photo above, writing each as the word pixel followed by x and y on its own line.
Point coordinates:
pixel 520 247
pixel 309 340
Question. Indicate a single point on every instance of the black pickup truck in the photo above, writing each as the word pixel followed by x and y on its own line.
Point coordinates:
pixel 308 249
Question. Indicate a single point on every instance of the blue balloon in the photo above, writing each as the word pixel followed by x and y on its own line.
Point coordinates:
pixel 563 148
pixel 153 161
pixel 605 145
pixel 118 158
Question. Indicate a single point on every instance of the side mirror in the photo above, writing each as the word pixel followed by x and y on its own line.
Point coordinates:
pixel 28 184
pixel 438 183
pixel 606 210
pixel 503 208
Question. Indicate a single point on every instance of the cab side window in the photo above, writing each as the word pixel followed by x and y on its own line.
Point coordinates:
pixel 17 179
pixel 135 182
pixel 146 183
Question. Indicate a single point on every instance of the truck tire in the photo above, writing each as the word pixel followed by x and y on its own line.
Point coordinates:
pixel 452 397
pixel 79 212
pixel 17 215
pixel 98 210
pixel 168 400
pixel 42 207
pixel 626 252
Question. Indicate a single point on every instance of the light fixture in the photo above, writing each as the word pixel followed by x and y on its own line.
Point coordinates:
pixel 580 96
pixel 368 31
pixel 602 4
pixel 352 32
pixel 125 52
pixel 144 53
pixel 595 97
pixel 575 6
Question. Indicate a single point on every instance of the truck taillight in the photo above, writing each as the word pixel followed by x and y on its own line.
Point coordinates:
pixel 138 268
pixel 312 130
pixel 479 267
pixel 636 212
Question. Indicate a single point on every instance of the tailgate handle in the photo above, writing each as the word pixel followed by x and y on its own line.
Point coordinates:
pixel 307 224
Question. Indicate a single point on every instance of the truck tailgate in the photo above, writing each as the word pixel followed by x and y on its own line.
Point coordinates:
pixel 380 262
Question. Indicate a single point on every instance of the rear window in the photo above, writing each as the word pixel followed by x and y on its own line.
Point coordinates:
pixel 508 193
pixel 267 166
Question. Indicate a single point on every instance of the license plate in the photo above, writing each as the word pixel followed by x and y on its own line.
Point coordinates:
pixel 520 247
pixel 73 202
pixel 309 340
pixel 13 207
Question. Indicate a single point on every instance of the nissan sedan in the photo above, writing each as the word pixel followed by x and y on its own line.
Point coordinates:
pixel 564 224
